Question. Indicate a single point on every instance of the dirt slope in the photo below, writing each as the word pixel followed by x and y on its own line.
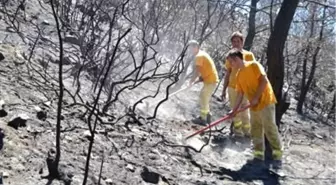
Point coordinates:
pixel 308 159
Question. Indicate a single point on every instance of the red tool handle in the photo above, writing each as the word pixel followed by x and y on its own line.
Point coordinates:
pixel 217 122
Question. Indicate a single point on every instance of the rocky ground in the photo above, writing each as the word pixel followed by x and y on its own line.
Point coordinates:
pixel 153 152
pixel 157 146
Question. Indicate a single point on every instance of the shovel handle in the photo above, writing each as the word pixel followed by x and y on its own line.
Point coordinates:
pixel 176 92
pixel 217 122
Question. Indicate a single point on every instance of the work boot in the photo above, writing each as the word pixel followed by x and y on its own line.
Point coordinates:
pixel 276 167
pixel 276 164
pixel 208 118
pixel 246 130
pixel 237 129
pixel 238 133
pixel 255 163
pixel 247 135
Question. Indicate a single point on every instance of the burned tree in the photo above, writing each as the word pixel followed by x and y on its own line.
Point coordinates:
pixel 53 161
pixel 251 25
pixel 306 80
pixel 276 43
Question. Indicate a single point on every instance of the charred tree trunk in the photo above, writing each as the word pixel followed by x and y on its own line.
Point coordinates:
pixel 305 86
pixel 251 29
pixel 303 90
pixel 331 113
pixel 276 43
pixel 53 161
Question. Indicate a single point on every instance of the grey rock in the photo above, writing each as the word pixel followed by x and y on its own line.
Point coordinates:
pixel 41 171
pixel 87 135
pixel 2 57
pixel 153 156
pixel 3 113
pixel 109 181
pixel 18 121
pixel 130 167
pixel 71 39
pixel 5 174
pixel 45 22
pixel 68 138
pixel 148 176
pixel 47 103
pixel 41 114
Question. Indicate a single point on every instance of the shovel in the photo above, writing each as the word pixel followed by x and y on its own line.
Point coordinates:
pixel 216 122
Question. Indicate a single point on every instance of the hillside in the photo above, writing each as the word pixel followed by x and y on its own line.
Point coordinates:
pixel 309 145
